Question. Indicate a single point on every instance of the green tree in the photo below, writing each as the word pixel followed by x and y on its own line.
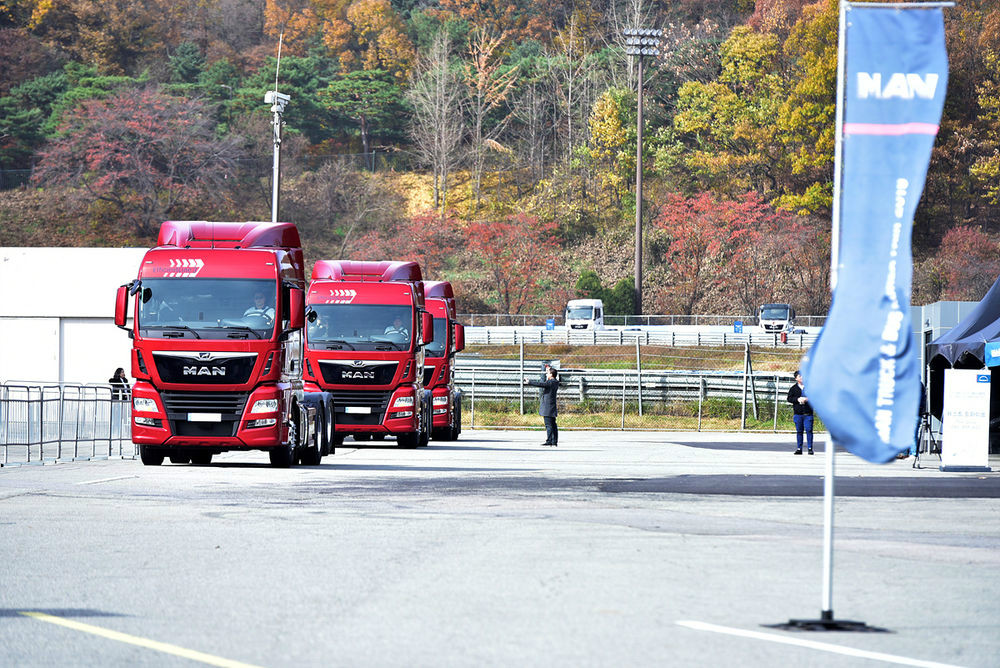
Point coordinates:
pixel 186 63
pixel 370 100
pixel 300 77
pixel 588 286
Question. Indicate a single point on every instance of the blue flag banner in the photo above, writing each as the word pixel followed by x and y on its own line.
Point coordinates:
pixel 862 376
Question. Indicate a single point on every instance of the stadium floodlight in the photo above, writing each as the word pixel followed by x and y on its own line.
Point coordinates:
pixel 640 43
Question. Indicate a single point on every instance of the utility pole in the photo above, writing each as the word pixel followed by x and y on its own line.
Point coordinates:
pixel 640 43
pixel 278 101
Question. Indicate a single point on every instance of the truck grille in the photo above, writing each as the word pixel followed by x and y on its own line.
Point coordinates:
pixel 229 405
pixel 221 368
pixel 377 402
pixel 365 373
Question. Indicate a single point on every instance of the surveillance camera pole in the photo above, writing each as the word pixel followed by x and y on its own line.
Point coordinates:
pixel 277 101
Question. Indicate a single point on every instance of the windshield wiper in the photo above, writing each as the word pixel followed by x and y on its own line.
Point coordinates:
pixel 242 328
pixel 180 327
pixel 337 344
pixel 389 345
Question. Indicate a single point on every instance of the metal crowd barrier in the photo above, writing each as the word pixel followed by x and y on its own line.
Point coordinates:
pixel 63 422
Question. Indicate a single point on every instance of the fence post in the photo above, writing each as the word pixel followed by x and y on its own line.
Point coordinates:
pixel 521 379
pixel 638 375
pixel 701 397
pixel 59 425
pixel 776 403
pixel 473 426
pixel 743 403
pixel 624 378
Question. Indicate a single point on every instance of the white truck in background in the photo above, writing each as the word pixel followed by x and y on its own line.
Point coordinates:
pixel 776 318
pixel 584 314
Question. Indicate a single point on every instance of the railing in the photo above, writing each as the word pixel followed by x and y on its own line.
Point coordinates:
pixel 694 338
pixel 539 320
pixel 63 422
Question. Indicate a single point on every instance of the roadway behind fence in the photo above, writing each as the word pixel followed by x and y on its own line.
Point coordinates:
pixel 630 387
pixel 62 422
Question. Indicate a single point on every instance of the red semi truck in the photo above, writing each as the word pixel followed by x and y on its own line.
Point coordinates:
pixel 439 361
pixel 217 351
pixel 365 346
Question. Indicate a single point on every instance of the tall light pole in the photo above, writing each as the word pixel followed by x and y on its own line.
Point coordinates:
pixel 277 101
pixel 640 43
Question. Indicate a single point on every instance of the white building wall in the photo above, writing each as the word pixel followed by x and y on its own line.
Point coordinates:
pixel 57 313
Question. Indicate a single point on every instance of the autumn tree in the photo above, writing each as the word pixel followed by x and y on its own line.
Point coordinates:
pixel 517 254
pixel 489 82
pixel 967 264
pixel 429 238
pixel 140 151
pixel 436 96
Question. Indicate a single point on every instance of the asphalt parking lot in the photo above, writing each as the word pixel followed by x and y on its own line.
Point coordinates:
pixel 632 548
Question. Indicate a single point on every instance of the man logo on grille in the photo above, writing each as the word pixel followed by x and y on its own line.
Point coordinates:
pixel 204 371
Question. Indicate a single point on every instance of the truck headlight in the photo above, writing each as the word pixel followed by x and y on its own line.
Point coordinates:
pixel 402 401
pixel 264 406
pixel 441 401
pixel 143 405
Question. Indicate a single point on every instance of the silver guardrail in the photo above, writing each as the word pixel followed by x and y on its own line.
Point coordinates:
pixel 619 337
pixel 42 423
pixel 539 319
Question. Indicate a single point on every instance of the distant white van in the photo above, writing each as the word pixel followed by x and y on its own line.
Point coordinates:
pixel 585 314
pixel 776 318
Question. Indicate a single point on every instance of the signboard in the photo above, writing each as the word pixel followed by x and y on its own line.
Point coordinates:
pixel 965 431
pixel 992 353
pixel 738 327
pixel 550 323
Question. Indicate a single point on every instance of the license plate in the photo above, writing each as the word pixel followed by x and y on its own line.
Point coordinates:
pixel 365 410
pixel 204 417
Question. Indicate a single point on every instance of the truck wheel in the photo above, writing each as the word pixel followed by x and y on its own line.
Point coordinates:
pixel 456 428
pixel 283 456
pixel 313 455
pixel 322 430
pixel 149 456
pixel 201 458
pixel 180 459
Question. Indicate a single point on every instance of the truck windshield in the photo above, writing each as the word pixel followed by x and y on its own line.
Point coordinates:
pixel 361 327
pixel 580 313
pixel 207 307
pixel 438 347
pixel 774 313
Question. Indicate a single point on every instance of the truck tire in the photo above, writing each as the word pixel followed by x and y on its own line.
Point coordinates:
pixel 180 459
pixel 313 455
pixel 456 428
pixel 150 456
pixel 201 458
pixel 283 455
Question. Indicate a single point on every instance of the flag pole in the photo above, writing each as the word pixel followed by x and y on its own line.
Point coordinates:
pixel 826 621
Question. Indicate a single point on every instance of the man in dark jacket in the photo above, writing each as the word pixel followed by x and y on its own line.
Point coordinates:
pixel 802 414
pixel 547 405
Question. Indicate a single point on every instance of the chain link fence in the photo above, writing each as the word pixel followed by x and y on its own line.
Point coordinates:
pixel 632 387
pixel 63 422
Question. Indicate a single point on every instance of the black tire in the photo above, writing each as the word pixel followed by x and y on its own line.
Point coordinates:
pixel 283 455
pixel 313 454
pixel 180 459
pixel 408 440
pixel 150 456
pixel 201 458
pixel 456 428
pixel 323 430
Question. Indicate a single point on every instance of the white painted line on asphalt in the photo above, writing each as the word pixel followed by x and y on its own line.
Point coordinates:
pixel 812 644
pixel 166 648
pixel 94 482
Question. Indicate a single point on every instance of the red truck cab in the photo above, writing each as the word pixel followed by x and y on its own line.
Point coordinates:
pixel 217 346
pixel 439 361
pixel 367 329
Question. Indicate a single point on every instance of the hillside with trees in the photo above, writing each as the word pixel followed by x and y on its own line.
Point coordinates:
pixel 493 142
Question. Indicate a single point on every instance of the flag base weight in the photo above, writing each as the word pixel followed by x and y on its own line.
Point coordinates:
pixel 826 622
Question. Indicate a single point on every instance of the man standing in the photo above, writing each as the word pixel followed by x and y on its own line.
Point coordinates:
pixel 547 404
pixel 802 414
